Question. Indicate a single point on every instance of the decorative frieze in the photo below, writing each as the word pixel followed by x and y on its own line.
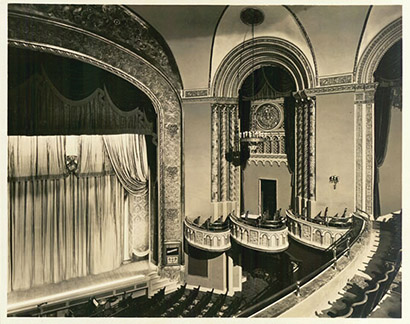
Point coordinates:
pixel 195 93
pixel 259 238
pixel 312 234
pixel 207 240
pixel 334 80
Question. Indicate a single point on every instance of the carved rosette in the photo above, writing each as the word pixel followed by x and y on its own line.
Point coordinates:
pixel 40 28
pixel 225 139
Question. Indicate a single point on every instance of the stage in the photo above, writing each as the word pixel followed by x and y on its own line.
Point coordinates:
pixel 138 278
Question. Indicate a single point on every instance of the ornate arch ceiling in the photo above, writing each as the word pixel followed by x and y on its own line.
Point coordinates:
pixel 328 35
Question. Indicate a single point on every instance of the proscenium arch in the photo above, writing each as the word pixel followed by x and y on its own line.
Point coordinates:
pixel 249 56
pixel 374 52
pixel 26 29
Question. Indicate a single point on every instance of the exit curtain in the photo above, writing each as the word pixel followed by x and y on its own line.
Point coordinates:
pixel 63 225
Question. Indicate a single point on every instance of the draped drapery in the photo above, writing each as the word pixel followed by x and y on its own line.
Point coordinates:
pixel 289 126
pixel 382 112
pixel 389 76
pixel 128 155
pixel 61 225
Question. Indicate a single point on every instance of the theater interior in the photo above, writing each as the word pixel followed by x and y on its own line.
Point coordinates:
pixel 204 161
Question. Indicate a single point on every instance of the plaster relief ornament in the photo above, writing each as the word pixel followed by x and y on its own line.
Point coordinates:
pixel 268 116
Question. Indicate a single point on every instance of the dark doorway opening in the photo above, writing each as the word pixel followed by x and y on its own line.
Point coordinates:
pixel 267 196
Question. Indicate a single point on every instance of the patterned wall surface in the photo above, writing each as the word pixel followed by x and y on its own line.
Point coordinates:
pixel 225 144
pixel 305 147
pixel 267 118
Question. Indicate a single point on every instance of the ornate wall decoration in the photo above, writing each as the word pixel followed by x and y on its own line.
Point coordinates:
pixel 267 118
pixel 369 158
pixel 255 53
pixel 364 139
pixel 197 93
pixel 359 155
pixel 305 146
pixel 374 52
pixel 306 231
pixel 333 80
pixel 46 32
pixel 116 23
pixel 224 146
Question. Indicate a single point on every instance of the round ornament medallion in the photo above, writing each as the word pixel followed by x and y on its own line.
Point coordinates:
pixel 268 116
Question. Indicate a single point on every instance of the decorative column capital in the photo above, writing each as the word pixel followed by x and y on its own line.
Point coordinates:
pixel 364 93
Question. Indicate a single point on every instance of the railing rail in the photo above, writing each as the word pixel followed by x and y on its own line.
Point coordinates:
pixel 299 284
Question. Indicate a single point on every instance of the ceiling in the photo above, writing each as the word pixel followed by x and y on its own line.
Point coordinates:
pixel 200 36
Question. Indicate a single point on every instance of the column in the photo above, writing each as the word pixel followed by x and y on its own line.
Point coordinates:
pixel 364 146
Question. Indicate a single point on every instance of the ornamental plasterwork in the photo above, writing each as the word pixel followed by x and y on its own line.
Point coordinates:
pixel 267 118
pixel 116 23
pixel 225 171
pixel 334 80
pixel 46 35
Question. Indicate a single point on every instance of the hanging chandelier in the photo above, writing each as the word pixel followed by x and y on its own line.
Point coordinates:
pixel 252 17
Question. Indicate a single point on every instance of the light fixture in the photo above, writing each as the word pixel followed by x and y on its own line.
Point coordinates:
pixel 252 17
pixel 334 179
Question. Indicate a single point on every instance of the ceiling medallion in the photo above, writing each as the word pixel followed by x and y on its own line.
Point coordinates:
pixel 252 16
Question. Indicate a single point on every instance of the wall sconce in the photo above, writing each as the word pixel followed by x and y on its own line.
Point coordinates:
pixel 334 179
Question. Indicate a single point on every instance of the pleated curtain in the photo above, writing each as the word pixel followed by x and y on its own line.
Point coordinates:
pixel 128 155
pixel 61 225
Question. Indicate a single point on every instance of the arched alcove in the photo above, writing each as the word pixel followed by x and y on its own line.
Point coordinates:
pixel 251 55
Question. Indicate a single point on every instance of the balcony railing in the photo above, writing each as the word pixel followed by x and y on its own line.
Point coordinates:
pixel 213 237
pixel 267 236
pixel 316 233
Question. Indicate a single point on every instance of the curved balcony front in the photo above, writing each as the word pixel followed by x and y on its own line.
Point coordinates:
pixel 268 236
pixel 316 234
pixel 212 238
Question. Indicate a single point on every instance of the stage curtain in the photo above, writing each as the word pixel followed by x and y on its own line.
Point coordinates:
pixel 61 225
pixel 382 112
pixel 128 156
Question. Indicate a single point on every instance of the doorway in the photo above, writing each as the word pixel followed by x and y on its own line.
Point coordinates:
pixel 267 197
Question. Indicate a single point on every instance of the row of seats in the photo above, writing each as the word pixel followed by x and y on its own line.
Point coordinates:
pixel 358 300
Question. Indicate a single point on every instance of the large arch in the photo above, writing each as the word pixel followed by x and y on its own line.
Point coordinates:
pixel 245 58
pixel 116 40
pixel 237 65
pixel 364 112
pixel 374 52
